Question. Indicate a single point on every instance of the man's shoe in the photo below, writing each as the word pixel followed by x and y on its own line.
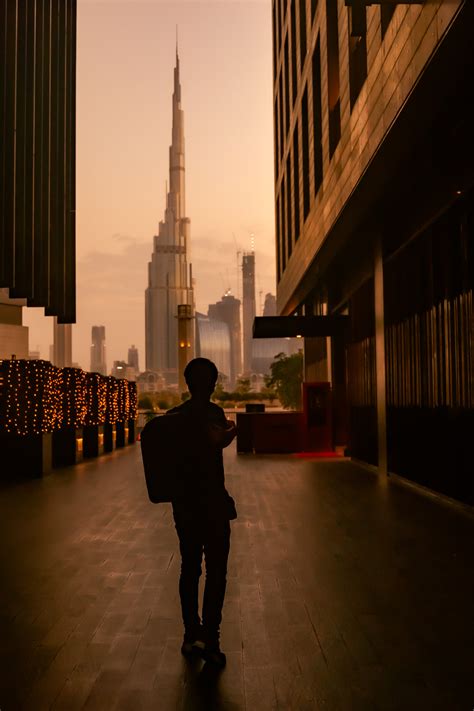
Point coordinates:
pixel 210 653
pixel 189 640
pixel 213 655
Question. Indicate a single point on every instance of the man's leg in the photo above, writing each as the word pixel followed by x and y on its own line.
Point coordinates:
pixel 191 547
pixel 216 551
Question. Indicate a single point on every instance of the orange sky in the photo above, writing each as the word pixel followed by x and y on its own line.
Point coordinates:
pixel 125 60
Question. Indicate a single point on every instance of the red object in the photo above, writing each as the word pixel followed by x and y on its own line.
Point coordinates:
pixel 316 455
pixel 270 432
pixel 317 414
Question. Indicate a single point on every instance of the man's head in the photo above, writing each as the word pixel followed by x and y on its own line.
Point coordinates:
pixel 201 377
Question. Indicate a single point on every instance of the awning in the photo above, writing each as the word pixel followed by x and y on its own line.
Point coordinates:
pixel 304 326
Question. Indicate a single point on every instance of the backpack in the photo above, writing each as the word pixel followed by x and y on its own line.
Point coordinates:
pixel 169 445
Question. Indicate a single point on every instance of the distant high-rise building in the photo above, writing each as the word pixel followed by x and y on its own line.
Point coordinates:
pixel 98 362
pixel 62 346
pixel 121 369
pixel 248 306
pixel 213 341
pixel 170 282
pixel 133 358
pixel 227 310
pixel 270 307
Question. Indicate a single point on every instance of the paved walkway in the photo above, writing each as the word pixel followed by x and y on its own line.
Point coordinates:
pixel 344 594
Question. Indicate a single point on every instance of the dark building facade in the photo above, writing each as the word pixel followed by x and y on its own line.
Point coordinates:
pixel 374 177
pixel 37 153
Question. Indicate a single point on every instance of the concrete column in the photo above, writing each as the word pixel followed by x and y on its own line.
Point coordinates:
pixel 380 357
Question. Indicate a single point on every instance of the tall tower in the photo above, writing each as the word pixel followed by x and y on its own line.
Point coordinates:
pixel 170 280
pixel 248 306
pixel 98 364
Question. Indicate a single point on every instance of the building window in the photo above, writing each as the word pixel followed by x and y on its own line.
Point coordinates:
pixel 317 119
pixel 282 134
pixel 289 241
pixel 278 235
pixel 386 14
pixel 275 42
pixel 287 87
pixel 303 42
pixel 283 224
pixel 277 133
pixel 296 182
pixel 357 63
pixel 294 82
pixel 305 137
pixel 334 102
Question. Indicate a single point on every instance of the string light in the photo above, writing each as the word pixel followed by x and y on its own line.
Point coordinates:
pixel 36 397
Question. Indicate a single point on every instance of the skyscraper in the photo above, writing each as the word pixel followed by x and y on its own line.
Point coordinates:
pixel 213 341
pixel 248 306
pixel 227 310
pixel 270 308
pixel 170 281
pixel 133 358
pixel 98 364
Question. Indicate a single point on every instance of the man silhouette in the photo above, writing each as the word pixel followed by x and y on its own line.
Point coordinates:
pixel 202 514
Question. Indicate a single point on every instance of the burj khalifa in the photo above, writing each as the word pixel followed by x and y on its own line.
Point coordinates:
pixel 170 282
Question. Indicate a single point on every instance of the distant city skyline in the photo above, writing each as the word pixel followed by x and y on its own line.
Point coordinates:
pixel 123 129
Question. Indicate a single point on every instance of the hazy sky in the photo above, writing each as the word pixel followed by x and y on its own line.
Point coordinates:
pixel 125 60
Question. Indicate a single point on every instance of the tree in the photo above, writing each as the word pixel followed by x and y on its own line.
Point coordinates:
pixel 286 378
pixel 145 402
pixel 243 386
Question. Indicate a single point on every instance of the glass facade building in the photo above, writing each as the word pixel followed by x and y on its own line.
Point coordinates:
pixel 213 342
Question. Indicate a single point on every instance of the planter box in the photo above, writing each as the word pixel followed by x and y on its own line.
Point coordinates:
pixel 67 446
pixel 93 440
pixel 26 456
pixel 110 438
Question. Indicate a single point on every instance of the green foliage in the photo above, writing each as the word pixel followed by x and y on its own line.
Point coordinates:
pixel 243 386
pixel 286 378
pixel 268 393
pixel 145 402
pixel 162 400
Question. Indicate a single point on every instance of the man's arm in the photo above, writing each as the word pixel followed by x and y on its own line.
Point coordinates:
pixel 221 436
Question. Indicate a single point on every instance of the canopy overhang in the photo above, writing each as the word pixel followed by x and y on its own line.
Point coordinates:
pixel 299 326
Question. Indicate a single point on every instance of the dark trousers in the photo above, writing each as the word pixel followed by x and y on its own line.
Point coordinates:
pixel 198 534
